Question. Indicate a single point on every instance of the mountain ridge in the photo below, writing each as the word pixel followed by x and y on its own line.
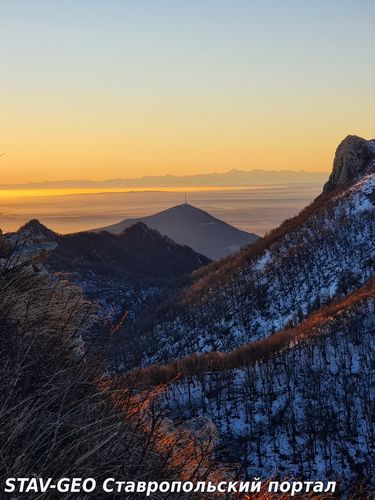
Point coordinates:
pixel 136 250
pixel 131 271
pixel 232 177
pixel 258 351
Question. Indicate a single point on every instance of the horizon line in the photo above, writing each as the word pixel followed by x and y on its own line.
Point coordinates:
pixel 48 183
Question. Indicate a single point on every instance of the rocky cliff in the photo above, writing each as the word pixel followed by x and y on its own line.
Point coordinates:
pixel 354 157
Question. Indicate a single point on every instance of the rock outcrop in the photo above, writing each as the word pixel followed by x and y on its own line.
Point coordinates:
pixel 36 231
pixel 354 157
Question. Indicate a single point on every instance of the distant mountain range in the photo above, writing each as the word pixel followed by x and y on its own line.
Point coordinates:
pixel 231 178
pixel 188 225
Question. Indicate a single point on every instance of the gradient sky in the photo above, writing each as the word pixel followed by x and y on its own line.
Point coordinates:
pixel 118 88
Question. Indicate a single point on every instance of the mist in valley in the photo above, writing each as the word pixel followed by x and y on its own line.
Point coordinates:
pixel 255 209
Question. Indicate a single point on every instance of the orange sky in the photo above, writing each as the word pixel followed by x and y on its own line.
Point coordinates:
pixel 66 146
pixel 127 89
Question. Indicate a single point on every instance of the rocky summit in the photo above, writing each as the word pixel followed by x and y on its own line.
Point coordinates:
pixel 354 157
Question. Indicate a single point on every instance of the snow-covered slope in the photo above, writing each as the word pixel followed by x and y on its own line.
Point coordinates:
pixel 326 251
pixel 308 412
pixel 188 225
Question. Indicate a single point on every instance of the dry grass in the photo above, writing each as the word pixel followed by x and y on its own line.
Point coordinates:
pixel 54 422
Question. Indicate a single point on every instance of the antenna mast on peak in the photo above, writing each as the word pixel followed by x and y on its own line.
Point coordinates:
pixel 185 199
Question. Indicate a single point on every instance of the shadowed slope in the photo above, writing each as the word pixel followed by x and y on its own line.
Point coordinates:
pixel 138 250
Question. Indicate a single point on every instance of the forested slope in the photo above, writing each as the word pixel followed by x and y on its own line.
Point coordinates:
pixel 307 412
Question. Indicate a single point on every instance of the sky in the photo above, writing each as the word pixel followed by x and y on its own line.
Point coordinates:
pixel 93 89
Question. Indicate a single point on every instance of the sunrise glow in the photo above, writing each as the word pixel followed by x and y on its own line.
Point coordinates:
pixel 143 88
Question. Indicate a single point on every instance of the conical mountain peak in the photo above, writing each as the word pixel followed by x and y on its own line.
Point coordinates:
pixel 189 225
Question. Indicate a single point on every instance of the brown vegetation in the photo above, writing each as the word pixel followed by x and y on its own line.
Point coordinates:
pixel 189 454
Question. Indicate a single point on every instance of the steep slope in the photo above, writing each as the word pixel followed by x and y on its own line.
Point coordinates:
pixel 307 412
pixel 194 227
pixel 325 252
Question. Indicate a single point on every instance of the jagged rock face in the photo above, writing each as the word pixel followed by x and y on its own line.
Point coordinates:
pixel 354 157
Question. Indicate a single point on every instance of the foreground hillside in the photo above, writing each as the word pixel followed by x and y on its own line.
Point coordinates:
pixel 327 251
pixel 305 410
pixel 276 345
